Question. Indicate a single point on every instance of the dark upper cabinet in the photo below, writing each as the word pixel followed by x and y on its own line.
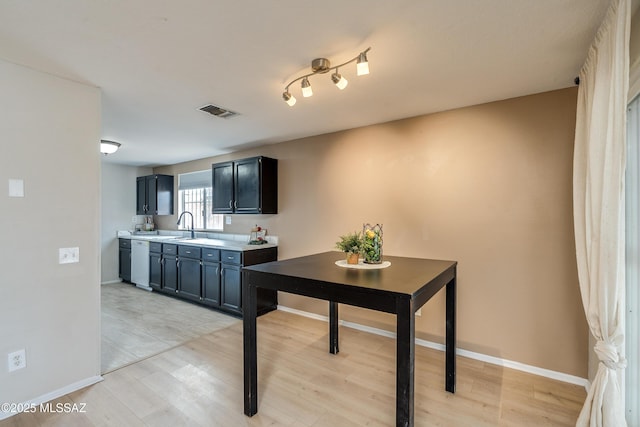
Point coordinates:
pixel 222 183
pixel 154 195
pixel 248 186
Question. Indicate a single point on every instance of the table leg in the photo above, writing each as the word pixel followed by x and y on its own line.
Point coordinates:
pixel 333 327
pixel 249 307
pixel 450 356
pixel 405 360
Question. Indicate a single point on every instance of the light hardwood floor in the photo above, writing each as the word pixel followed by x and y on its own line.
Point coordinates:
pixel 137 324
pixel 200 383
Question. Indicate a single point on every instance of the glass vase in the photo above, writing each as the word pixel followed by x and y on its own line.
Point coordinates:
pixel 372 243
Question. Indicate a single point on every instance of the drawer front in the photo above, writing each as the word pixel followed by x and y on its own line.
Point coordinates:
pixel 231 257
pixel 125 243
pixel 209 254
pixel 155 247
pixel 189 251
pixel 169 249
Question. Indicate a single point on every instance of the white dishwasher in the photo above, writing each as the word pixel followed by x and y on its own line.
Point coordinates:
pixel 140 263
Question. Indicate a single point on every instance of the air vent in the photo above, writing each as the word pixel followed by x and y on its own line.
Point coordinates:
pixel 218 111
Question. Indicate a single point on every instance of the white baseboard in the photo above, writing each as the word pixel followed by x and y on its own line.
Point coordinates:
pixel 560 376
pixel 111 282
pixel 53 395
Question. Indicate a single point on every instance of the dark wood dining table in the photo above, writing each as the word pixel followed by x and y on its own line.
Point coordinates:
pixel 401 288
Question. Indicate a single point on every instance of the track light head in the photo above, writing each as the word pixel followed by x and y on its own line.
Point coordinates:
pixel 288 98
pixel 306 88
pixel 362 66
pixel 339 81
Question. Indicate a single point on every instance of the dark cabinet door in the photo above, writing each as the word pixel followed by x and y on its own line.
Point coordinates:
pixel 155 270
pixel 222 183
pixel 154 195
pixel 189 278
pixel 170 273
pixel 141 195
pixel 125 264
pixel 152 191
pixel 161 188
pixel 247 186
pixel 231 292
pixel 211 283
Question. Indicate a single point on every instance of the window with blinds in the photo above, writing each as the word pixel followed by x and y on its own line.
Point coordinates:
pixel 195 195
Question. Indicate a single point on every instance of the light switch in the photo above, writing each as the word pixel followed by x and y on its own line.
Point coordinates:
pixel 16 188
pixel 68 255
pixel 228 219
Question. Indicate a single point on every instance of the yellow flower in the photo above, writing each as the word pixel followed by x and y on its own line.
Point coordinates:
pixel 371 234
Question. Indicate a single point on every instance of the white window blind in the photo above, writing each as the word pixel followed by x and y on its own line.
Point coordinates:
pixel 195 195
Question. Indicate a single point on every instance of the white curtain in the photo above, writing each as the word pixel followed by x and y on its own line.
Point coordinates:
pixel 598 202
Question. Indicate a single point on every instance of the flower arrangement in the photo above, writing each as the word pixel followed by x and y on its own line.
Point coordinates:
pixel 372 243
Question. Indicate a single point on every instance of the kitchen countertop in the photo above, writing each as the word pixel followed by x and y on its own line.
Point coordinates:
pixel 234 245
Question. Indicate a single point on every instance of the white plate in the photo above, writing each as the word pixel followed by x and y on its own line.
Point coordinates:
pixel 362 266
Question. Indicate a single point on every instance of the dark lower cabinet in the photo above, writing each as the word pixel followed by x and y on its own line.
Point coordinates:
pixel 189 272
pixel 231 287
pixel 169 273
pixel 124 266
pixel 211 283
pixel 155 265
pixel 209 276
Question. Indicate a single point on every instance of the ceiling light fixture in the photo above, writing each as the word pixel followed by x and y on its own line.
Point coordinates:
pixel 362 66
pixel 108 147
pixel 322 66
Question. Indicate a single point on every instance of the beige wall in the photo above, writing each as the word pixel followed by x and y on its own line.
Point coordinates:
pixel 49 131
pixel 118 195
pixel 488 186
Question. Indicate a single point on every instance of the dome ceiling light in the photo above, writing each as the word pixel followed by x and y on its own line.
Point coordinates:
pixel 108 147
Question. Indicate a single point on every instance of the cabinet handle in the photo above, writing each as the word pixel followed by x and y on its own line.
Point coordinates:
pixel 160 260
pixel 217 268
pixel 178 263
pixel 235 204
pixel 230 204
pixel 200 262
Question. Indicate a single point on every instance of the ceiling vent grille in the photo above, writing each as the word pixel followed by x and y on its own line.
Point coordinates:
pixel 218 111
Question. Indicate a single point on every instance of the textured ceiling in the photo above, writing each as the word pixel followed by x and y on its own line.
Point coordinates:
pixel 157 62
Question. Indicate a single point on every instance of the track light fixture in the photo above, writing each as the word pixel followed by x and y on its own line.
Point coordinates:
pixel 322 66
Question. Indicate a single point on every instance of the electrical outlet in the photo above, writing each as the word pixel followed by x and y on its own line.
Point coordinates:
pixel 419 312
pixel 17 360
pixel 68 255
pixel 228 219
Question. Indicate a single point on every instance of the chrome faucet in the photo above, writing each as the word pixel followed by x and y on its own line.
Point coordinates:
pixel 193 236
